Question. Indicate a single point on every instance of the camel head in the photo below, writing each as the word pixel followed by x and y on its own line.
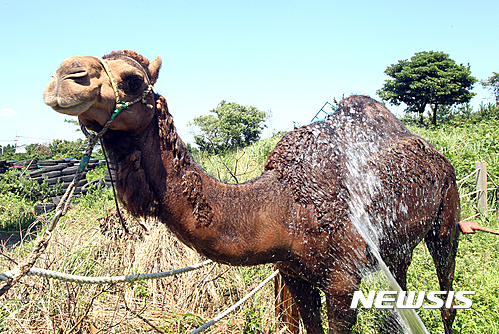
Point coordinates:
pixel 83 87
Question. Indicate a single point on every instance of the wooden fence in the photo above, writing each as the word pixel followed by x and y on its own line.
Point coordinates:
pixel 483 193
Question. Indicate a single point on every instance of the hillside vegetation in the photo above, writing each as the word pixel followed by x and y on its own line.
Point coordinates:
pixel 89 241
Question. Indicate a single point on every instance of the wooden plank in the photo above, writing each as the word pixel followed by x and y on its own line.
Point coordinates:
pixel 285 310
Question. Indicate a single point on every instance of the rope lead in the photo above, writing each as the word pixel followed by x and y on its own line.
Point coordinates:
pixel 100 280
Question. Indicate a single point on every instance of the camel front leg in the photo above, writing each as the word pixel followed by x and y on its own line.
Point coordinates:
pixel 339 294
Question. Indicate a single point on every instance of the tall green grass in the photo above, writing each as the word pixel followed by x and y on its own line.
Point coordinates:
pixel 16 213
pixel 240 165
pixel 464 145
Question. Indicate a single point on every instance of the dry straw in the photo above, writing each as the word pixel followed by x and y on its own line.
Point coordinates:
pixel 96 247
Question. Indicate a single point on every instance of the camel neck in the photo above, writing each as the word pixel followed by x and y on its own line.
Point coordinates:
pixel 228 223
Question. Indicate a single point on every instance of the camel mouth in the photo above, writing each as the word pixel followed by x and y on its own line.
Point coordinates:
pixel 71 90
pixel 91 125
pixel 73 110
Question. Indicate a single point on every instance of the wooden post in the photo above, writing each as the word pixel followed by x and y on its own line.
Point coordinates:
pixel 481 187
pixel 285 310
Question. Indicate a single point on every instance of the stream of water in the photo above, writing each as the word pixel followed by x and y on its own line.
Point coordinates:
pixel 411 323
pixel 361 142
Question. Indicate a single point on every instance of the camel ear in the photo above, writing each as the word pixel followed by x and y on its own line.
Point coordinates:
pixel 154 67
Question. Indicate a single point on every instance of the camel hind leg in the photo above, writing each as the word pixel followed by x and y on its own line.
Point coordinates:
pixel 442 241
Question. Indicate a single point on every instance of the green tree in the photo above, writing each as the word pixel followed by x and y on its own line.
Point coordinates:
pixel 229 125
pixel 427 79
pixel 8 149
pixel 39 151
pixel 65 148
pixel 492 83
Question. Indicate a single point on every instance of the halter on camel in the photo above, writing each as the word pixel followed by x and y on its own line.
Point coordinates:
pixel 119 106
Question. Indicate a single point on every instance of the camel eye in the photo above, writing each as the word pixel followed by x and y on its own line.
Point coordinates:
pixel 132 84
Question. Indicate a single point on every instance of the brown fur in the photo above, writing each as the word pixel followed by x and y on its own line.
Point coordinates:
pixel 123 54
pixel 298 213
pixel 193 189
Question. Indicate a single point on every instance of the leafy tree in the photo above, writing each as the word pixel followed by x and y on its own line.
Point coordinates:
pixel 57 149
pixel 8 149
pixel 428 79
pixel 39 151
pixel 65 148
pixel 492 83
pixel 229 125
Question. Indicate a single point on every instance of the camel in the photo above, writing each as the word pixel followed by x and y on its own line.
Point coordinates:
pixel 360 164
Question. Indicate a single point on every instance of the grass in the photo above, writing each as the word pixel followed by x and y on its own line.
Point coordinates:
pixel 464 145
pixel 15 213
pixel 87 244
pixel 240 165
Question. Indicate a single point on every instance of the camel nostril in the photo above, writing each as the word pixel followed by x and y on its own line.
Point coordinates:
pixel 71 68
pixel 77 74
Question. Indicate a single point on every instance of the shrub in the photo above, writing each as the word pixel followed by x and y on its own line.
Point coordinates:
pixel 14 183
pixel 15 213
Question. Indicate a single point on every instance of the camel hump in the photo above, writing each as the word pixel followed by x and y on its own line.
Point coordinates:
pixel 358 121
pixel 370 115
pixel 416 159
pixel 316 159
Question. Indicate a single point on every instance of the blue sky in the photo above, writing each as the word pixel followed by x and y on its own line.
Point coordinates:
pixel 288 57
